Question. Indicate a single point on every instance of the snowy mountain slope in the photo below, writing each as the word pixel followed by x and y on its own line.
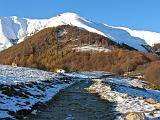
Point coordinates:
pixel 14 29
pixel 150 37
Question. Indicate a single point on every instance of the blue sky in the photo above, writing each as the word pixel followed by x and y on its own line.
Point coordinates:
pixel 135 14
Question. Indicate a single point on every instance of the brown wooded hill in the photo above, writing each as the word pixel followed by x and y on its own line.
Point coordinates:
pixel 44 51
pixel 151 72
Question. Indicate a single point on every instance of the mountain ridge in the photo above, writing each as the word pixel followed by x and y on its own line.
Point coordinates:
pixel 13 30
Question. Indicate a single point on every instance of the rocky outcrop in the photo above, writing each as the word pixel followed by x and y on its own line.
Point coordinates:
pixel 135 116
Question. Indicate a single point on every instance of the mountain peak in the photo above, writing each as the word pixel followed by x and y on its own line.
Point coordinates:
pixel 68 17
pixel 14 17
pixel 14 28
pixel 70 14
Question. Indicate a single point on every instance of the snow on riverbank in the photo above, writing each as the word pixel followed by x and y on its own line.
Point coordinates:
pixel 128 97
pixel 24 89
pixel 12 75
pixel 89 75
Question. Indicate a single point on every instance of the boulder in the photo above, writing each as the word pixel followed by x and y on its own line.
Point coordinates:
pixel 157 105
pixel 135 116
pixel 151 101
pixel 103 97
pixel 141 97
pixel 60 71
pixel 151 113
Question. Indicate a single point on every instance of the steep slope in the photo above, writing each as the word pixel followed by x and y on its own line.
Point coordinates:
pixel 14 29
pixel 151 38
pixel 76 50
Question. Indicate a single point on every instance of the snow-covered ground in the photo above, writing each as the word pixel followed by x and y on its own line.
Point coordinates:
pixel 88 75
pixel 151 38
pixel 24 89
pixel 128 95
pixel 92 48
pixel 14 30
pixel 12 75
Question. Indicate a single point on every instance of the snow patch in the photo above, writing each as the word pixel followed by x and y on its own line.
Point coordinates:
pixel 91 48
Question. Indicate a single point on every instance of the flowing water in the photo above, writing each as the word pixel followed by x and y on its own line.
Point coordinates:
pixel 74 103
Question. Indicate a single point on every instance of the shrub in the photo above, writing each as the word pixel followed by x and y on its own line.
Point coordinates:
pixel 152 74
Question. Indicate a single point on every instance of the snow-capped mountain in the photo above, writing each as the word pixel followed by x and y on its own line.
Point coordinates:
pixel 14 29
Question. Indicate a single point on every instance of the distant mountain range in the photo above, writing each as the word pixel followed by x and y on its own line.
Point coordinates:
pixel 13 30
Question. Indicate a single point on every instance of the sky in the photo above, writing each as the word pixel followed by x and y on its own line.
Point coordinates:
pixel 135 14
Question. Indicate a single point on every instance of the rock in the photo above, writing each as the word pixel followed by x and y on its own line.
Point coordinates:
pixel 141 97
pixel 106 88
pixel 138 85
pixel 20 114
pixel 152 112
pixel 119 98
pixel 157 105
pixel 60 71
pixel 90 89
pixel 151 101
pixel 135 116
pixel 103 97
